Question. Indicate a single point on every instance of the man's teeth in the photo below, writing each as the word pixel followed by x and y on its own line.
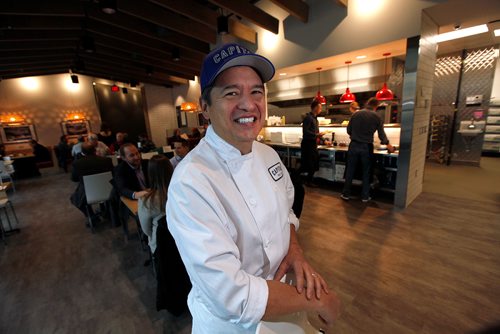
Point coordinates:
pixel 245 120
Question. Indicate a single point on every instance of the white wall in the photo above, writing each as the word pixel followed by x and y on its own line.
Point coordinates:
pixel 46 101
pixel 495 90
pixel 162 115
pixel 161 112
pixel 332 29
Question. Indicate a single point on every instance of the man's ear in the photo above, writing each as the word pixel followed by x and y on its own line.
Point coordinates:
pixel 204 109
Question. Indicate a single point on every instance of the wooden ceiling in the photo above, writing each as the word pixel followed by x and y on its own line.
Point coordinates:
pixel 161 42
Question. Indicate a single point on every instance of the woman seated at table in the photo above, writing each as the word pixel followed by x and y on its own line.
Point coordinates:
pixel 172 290
pixel 152 205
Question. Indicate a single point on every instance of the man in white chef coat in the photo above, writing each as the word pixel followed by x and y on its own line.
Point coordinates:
pixel 229 209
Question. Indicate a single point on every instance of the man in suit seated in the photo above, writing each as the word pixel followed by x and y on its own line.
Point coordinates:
pixel 88 164
pixel 130 180
pixel 131 174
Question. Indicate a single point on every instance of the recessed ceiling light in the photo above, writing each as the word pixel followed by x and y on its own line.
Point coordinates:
pixel 462 33
pixel 361 57
pixel 282 74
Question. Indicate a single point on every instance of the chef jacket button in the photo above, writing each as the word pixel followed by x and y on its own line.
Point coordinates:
pixel 253 202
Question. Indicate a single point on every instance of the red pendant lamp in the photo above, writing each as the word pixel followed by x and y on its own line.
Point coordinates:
pixel 320 98
pixel 347 97
pixel 385 94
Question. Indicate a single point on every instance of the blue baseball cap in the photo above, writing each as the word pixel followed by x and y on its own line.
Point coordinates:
pixel 231 55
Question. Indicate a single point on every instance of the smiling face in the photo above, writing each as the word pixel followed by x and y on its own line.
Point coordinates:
pixel 132 156
pixel 237 109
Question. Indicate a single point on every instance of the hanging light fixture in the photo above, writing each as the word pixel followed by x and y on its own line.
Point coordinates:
pixel 108 6
pixel 385 94
pixel 222 25
pixel 176 54
pixel 74 78
pixel 320 98
pixel 190 107
pixel 347 97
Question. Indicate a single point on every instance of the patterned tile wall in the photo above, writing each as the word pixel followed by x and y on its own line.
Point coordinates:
pixel 477 79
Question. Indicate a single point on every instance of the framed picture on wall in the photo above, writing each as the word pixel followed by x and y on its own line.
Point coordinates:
pixel 181 117
pixel 18 133
pixel 76 128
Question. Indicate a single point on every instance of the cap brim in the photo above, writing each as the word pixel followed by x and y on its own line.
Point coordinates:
pixel 261 64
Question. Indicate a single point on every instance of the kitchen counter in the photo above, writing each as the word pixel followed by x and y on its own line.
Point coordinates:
pixel 332 161
pixel 328 148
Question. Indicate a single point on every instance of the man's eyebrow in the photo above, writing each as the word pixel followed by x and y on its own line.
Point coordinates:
pixel 238 86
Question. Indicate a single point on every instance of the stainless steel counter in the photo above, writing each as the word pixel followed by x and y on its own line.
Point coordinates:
pixel 329 148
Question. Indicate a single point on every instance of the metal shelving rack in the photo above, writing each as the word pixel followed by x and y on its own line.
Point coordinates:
pixel 491 143
pixel 439 129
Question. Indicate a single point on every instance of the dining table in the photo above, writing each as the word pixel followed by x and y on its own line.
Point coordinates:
pixel 132 207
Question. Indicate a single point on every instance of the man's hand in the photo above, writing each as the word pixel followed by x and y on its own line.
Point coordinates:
pixel 139 194
pixel 306 276
pixel 390 148
pixel 328 312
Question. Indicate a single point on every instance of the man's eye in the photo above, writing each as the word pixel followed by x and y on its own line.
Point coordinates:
pixel 231 93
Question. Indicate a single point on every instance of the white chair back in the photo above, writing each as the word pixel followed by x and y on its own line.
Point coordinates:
pixel 148 155
pixel 6 169
pixel 97 187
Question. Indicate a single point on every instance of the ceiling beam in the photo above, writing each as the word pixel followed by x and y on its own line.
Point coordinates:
pixel 343 2
pixel 125 78
pixel 41 35
pixel 251 13
pixel 296 8
pixel 164 18
pixel 143 61
pixel 35 45
pixel 204 15
pixel 32 73
pixel 31 68
pixel 27 54
pixel 130 74
pixel 192 9
pixel 143 41
pixel 60 59
pixel 122 65
pixel 137 51
pixel 240 30
pixel 10 22
pixel 44 8
pixel 148 29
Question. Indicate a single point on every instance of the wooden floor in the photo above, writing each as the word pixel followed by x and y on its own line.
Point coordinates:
pixel 431 268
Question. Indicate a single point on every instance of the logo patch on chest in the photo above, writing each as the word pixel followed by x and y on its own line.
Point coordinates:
pixel 276 171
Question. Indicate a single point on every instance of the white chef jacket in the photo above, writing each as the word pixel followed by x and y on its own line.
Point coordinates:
pixel 230 216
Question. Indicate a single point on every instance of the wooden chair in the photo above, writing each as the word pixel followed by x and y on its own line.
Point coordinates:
pixel 97 190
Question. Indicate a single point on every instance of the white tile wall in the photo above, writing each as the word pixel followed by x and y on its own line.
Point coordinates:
pixel 161 112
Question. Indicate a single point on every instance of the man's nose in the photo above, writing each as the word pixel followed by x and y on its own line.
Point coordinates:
pixel 246 102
